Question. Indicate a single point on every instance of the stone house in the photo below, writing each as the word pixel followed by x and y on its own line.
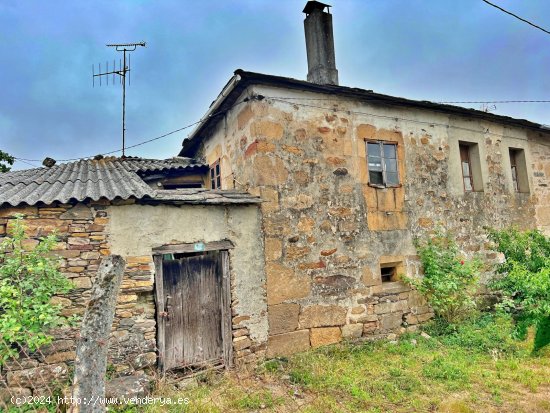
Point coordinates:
pixel 156 215
pixel 287 219
pixel 350 177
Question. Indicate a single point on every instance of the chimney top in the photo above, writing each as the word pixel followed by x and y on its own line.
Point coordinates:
pixel 321 62
pixel 316 5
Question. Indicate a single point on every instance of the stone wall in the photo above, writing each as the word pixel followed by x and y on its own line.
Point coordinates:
pixel 89 231
pixel 540 151
pixel 81 229
pixel 154 226
pixel 327 232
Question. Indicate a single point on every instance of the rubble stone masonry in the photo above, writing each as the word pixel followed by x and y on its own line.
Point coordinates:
pixel 88 231
pixel 313 275
pixel 81 229
pixel 327 232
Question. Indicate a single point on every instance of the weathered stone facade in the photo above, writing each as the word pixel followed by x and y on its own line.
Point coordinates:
pixel 306 266
pixel 83 241
pixel 327 232
pixel 540 153
pixel 88 231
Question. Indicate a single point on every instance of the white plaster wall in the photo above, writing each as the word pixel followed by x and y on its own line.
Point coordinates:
pixel 134 230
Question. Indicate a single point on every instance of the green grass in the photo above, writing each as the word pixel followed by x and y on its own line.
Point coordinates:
pixel 471 368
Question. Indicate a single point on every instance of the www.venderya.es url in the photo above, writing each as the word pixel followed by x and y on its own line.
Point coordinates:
pixel 98 401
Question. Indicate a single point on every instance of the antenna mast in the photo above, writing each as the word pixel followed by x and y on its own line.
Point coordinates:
pixel 121 72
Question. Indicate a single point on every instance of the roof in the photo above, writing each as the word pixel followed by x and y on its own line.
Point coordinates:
pixel 202 196
pixel 314 5
pixel 108 178
pixel 242 79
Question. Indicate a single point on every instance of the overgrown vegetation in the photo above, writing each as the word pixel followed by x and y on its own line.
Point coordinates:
pixel 524 281
pixel 450 280
pixel 29 278
pixel 468 361
pixel 484 333
pixel 464 370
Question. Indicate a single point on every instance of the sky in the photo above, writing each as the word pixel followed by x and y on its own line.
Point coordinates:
pixel 437 50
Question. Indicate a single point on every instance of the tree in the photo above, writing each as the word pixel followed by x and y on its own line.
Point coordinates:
pixel 6 161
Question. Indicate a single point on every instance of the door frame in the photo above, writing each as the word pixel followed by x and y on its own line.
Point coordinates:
pixel 223 247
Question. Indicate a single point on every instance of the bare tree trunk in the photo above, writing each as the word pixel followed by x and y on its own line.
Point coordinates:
pixel 91 350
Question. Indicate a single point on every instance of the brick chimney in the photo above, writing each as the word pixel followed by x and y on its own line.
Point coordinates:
pixel 320 44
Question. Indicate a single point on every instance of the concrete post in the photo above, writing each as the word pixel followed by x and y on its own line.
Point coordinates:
pixel 91 351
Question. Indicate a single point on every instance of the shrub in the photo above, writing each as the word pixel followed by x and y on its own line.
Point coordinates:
pixel 523 280
pixel 450 280
pixel 483 333
pixel 28 281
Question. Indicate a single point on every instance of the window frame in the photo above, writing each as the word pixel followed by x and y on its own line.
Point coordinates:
pixel 215 176
pixel 514 169
pixel 381 144
pixel 470 177
pixel 518 161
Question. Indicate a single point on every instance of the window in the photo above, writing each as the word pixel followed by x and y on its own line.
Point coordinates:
pixel 520 182
pixel 514 165
pixel 215 176
pixel 183 181
pixel 467 178
pixel 382 164
pixel 182 185
pixel 391 268
pixel 388 274
pixel 470 165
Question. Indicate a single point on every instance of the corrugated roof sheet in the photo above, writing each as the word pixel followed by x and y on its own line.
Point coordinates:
pixel 107 178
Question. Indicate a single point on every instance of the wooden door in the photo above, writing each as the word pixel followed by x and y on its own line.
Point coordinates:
pixel 194 309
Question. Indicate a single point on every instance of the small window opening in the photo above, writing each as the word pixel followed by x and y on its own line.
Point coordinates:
pixel 470 165
pixel 520 182
pixel 466 164
pixel 388 274
pixel 183 185
pixel 514 166
pixel 382 164
pixel 215 175
pixel 178 255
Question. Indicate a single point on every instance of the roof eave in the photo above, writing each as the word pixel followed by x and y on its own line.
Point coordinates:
pixel 234 88
pixel 368 95
pixel 188 144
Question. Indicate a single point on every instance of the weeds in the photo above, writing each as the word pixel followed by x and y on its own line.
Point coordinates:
pixel 461 368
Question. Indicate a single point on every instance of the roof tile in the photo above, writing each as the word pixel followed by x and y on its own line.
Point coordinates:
pixel 108 178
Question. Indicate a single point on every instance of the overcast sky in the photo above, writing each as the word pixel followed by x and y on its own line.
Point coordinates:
pixel 439 50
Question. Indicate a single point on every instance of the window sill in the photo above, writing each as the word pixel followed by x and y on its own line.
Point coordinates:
pixel 391 283
pixel 384 186
pixel 391 287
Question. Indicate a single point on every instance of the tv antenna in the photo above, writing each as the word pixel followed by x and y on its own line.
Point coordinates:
pixel 488 108
pixel 123 69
